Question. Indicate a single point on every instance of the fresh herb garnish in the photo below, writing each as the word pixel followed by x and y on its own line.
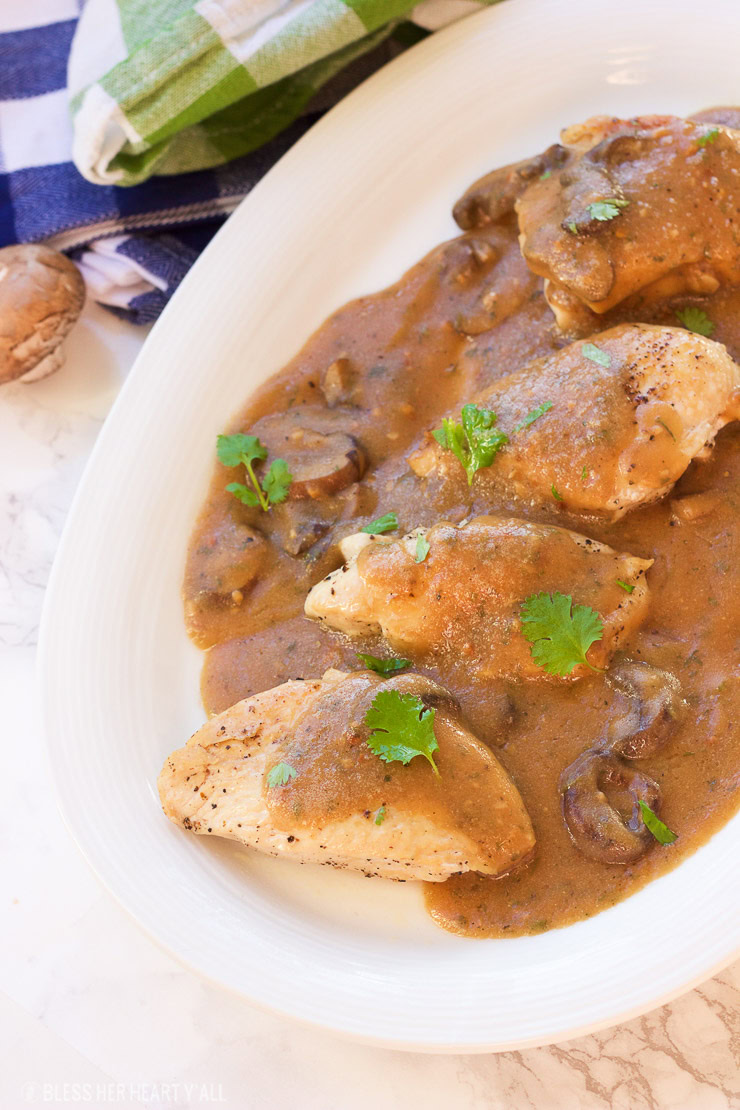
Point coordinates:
pixel 653 823
pixel 554 492
pixel 402 728
pixel 625 586
pixel 386 523
pixel 475 442
pixel 695 319
pixel 244 450
pixel 383 666
pixel 595 354
pixel 708 137
pixel 603 210
pixel 544 176
pixel 535 414
pixel 560 632
pixel 664 425
pixel 380 816
pixel 573 228
pixel 584 474
pixel 280 774
pixel 422 549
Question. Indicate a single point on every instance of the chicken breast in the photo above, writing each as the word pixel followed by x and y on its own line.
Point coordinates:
pixel 648 205
pixel 464 601
pixel 339 803
pixel 630 410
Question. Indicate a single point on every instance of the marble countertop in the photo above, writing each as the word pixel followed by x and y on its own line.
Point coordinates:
pixel 93 1012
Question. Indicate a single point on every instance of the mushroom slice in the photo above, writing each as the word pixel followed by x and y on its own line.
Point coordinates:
pixel 41 296
pixel 338 381
pixel 597 827
pixel 227 558
pixel 321 464
pixel 463 600
pixel 654 707
pixel 289 773
pixel 492 197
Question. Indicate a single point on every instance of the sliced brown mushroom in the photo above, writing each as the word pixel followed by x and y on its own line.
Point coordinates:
pixel 41 296
pixel 321 463
pixel 226 561
pixel 598 828
pixel 653 708
pixel 492 197
pixel 337 382
pixel 299 525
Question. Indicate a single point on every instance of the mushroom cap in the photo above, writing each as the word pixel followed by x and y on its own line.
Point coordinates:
pixel 41 296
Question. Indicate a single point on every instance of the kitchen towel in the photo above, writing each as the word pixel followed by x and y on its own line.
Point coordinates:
pixel 128 132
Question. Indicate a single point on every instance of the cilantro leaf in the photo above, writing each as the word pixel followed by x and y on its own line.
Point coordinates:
pixel 401 728
pixel 603 210
pixel 544 176
pixel 277 481
pixel 708 137
pixel 554 492
pixel 475 442
pixel 386 523
pixel 380 816
pixel 595 354
pixel 695 319
pixel 383 666
pixel 535 414
pixel 233 450
pixel 653 823
pixel 243 450
pixel 560 633
pixel 280 775
pixel 625 586
pixel 422 549
pixel 243 493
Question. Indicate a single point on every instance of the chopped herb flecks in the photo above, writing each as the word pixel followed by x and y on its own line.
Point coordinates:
pixel 422 549
pixel 386 523
pixel 383 666
pixel 535 414
pixel 280 775
pixel 595 354
pixel 661 832
pixel 603 210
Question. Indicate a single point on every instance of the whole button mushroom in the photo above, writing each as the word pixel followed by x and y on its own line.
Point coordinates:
pixel 41 296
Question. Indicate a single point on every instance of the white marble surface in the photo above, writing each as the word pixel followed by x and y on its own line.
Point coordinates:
pixel 93 1012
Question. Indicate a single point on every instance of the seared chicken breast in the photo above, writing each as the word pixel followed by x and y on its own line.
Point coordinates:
pixel 463 601
pixel 630 409
pixel 336 802
pixel 648 205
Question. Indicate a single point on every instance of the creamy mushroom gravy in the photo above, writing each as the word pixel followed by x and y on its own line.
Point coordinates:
pixel 384 370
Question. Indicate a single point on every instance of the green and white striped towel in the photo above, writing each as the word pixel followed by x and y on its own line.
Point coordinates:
pixel 169 86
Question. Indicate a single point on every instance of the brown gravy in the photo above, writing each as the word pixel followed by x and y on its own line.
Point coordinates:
pixel 467 314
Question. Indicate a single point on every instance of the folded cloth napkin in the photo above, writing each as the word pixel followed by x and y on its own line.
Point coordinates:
pixel 128 133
